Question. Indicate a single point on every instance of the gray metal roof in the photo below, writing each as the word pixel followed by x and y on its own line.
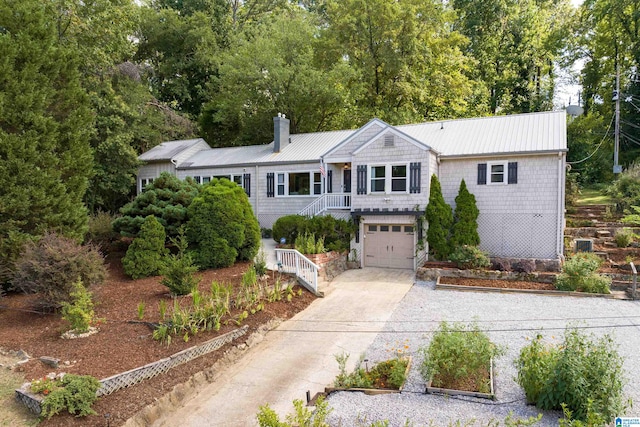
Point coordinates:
pixel 517 133
pixel 304 147
pixel 168 150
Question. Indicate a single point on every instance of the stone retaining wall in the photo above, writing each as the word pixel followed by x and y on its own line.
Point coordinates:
pixel 429 274
pixel 331 264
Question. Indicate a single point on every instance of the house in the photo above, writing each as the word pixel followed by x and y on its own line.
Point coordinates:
pixel 379 176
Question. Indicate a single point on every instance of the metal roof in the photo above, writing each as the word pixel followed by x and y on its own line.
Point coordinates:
pixel 304 147
pixel 168 150
pixel 517 133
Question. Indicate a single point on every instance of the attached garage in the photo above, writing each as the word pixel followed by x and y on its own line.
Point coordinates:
pixel 389 245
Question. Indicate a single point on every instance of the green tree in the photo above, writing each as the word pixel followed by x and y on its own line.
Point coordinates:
pixel 167 198
pixel 440 218
pixel 273 69
pixel 408 57
pixel 145 255
pixel 465 219
pixel 222 226
pixel 45 122
pixel 179 268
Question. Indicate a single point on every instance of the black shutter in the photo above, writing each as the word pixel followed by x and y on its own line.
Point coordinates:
pixel 270 184
pixel 362 179
pixel 513 173
pixel 482 173
pixel 414 177
pixel 330 181
pixel 246 183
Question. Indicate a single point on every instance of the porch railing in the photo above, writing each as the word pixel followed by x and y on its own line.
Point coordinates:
pixel 327 201
pixel 292 261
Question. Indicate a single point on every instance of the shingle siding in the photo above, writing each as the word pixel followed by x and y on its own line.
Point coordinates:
pixel 351 146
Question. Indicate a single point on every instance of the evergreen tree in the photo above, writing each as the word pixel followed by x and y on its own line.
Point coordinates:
pixel 145 256
pixel 465 217
pixel 167 198
pixel 222 225
pixel 440 220
pixel 45 123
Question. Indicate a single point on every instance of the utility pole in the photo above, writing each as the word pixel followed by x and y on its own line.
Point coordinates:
pixel 616 167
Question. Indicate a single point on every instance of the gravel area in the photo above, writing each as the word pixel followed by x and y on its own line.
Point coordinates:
pixel 511 320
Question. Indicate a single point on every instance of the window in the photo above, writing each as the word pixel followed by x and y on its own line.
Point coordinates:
pixel 206 179
pixel 222 177
pixel 399 178
pixel 144 182
pixel 237 179
pixel 384 228
pixel 373 228
pixel 299 183
pixel 408 229
pixel 496 171
pixel 396 228
pixel 378 179
pixel 389 179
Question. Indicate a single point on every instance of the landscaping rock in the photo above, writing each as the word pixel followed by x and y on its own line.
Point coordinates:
pixel 50 361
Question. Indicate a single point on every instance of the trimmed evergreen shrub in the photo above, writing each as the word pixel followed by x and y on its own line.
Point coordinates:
pixel 288 226
pixel 145 256
pixel 465 225
pixel 469 257
pixel 167 198
pixel 179 268
pixel 440 219
pixel 222 226
pixel 51 266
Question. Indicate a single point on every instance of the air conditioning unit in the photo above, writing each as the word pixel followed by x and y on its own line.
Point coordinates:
pixel 583 245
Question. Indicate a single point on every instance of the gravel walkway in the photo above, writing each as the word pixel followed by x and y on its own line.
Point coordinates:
pixel 512 321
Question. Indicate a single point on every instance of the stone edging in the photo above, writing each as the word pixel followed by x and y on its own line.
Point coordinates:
pixel 424 273
pixel 181 393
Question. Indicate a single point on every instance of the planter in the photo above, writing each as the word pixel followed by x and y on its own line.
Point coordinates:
pixel 452 392
pixel 373 391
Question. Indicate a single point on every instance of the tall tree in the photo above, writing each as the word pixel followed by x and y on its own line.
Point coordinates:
pixel 409 59
pixel 45 122
pixel 272 69
pixel 517 44
pixel 440 218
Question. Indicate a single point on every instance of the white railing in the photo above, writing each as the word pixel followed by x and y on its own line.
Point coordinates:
pixel 292 261
pixel 327 201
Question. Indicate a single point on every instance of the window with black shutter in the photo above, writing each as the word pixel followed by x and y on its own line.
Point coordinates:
pixel 482 174
pixel 414 177
pixel 362 179
pixel 246 183
pixel 270 184
pixel 512 175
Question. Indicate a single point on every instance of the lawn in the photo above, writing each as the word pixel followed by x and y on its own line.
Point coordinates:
pixel 593 196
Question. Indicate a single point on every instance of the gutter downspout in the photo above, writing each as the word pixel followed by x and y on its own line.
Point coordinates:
pixel 257 193
pixel 561 195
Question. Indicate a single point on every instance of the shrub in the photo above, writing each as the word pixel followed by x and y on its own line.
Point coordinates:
pixel 579 274
pixel 178 269
pixel 440 218
pixel 632 218
pixel 260 263
pixel 76 395
pixel 465 225
pixel 307 244
pixel 583 374
pixel 288 226
pixel 625 191
pixel 222 226
pixel 167 198
pixel 385 374
pixel 302 416
pixel 572 189
pixel 459 354
pixel 100 230
pixel 524 266
pixel 51 266
pixel 501 264
pixel 79 313
pixel 336 233
pixel 145 256
pixel 469 257
pixel 624 237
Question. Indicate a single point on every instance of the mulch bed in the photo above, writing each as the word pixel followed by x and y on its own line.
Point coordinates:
pixel 120 345
pixel 502 284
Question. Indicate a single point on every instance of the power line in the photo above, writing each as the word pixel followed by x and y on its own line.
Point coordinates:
pixel 597 148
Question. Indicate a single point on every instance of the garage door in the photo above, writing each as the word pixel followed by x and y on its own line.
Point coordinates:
pixel 388 245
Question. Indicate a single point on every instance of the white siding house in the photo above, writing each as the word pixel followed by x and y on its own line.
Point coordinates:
pixel 379 176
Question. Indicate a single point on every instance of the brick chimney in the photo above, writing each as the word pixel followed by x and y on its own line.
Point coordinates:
pixel 280 132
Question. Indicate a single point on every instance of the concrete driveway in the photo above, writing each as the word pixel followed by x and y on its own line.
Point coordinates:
pixel 299 354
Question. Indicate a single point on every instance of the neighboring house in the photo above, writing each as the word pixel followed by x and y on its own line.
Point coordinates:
pixel 379 176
